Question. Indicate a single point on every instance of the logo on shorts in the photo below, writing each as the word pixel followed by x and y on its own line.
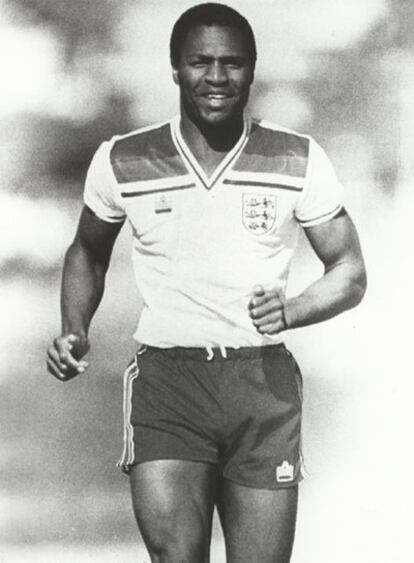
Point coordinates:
pixel 284 472
pixel 259 213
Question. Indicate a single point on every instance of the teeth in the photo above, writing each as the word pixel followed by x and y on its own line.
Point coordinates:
pixel 217 96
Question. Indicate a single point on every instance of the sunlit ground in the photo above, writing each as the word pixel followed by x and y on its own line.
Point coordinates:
pixel 63 498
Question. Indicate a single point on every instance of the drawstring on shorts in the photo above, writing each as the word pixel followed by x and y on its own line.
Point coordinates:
pixel 210 352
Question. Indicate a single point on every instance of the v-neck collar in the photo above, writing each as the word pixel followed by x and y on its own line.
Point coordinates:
pixel 192 163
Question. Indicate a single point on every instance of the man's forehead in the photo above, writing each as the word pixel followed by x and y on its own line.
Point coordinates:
pixel 215 39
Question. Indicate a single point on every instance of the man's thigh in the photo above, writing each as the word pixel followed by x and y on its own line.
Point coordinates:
pixel 173 502
pixel 258 524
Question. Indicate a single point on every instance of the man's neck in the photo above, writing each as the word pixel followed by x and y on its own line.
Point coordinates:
pixel 219 138
pixel 210 144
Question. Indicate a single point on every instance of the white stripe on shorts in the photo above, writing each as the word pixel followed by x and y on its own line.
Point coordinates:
pixel 127 457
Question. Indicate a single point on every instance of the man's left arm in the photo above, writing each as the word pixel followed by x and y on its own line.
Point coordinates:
pixel 341 287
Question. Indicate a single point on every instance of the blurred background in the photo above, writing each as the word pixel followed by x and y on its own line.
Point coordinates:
pixel 75 73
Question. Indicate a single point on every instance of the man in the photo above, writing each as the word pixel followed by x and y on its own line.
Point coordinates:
pixel 213 397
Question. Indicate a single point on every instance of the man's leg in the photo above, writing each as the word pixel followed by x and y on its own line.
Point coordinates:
pixel 173 504
pixel 258 524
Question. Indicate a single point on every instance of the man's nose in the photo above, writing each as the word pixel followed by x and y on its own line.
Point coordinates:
pixel 216 73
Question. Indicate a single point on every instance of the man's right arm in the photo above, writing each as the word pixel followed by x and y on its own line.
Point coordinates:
pixel 86 262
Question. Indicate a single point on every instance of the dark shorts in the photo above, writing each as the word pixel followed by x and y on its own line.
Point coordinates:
pixel 241 412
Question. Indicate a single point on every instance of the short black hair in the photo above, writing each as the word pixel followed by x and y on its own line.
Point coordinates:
pixel 209 14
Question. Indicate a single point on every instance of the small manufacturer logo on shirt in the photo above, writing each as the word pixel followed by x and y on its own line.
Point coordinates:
pixel 163 204
pixel 284 472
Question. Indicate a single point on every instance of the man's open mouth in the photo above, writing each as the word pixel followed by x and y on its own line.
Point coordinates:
pixel 217 96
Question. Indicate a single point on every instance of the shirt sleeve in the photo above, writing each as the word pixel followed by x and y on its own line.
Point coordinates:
pixel 323 195
pixel 100 193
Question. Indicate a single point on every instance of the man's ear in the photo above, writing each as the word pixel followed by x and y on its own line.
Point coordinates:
pixel 175 75
pixel 252 77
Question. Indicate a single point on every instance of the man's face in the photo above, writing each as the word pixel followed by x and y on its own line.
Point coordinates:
pixel 214 74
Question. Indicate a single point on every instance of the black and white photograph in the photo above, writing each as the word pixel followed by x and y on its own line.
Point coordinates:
pixel 205 281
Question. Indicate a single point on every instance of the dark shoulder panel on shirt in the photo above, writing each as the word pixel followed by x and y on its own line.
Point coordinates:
pixel 147 154
pixel 270 150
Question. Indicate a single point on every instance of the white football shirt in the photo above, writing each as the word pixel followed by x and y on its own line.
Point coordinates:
pixel 200 244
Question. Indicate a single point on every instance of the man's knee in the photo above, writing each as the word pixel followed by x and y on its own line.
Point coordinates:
pixel 177 548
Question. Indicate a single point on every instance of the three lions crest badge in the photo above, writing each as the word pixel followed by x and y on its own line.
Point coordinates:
pixel 259 213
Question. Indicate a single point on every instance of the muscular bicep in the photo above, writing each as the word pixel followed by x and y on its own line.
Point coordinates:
pixel 336 242
pixel 96 236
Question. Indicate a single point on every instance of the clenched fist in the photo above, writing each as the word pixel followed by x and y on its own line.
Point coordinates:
pixel 266 308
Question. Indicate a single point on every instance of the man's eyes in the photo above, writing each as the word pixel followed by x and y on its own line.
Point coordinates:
pixel 227 64
pixel 233 64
